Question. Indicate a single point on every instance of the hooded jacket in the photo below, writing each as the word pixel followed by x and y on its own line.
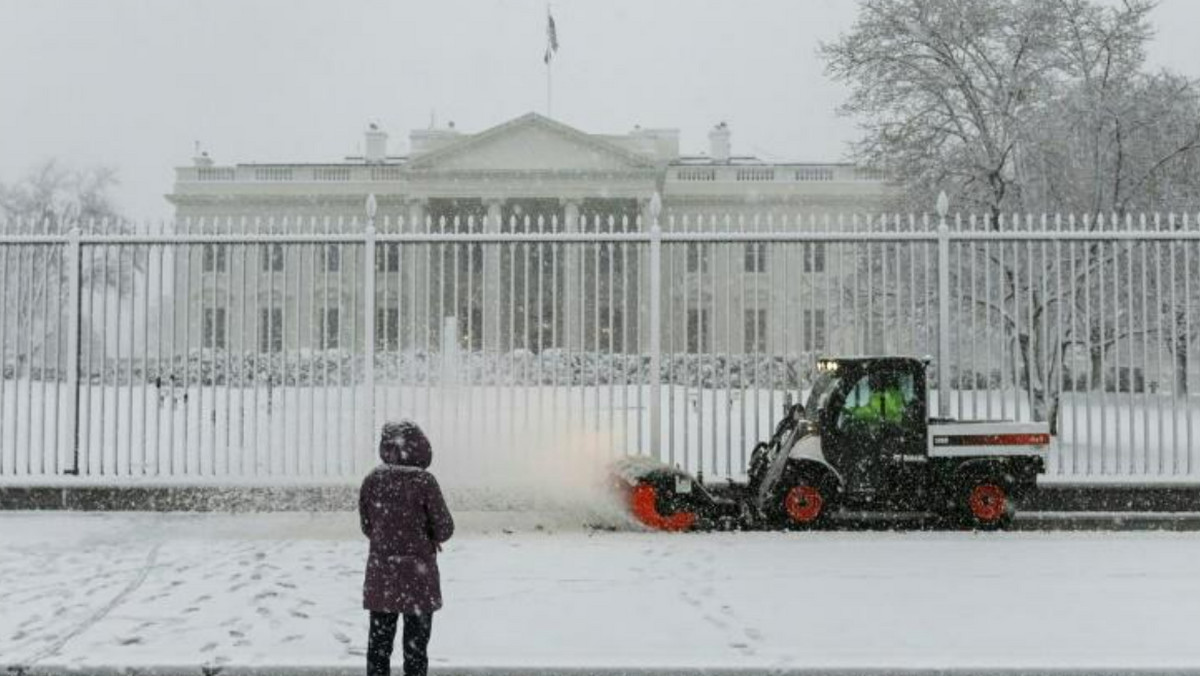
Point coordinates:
pixel 403 514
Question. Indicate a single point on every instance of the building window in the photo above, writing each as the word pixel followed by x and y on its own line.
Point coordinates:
pixel 814 257
pixel 387 258
pixel 387 329
pixel 214 328
pixel 330 329
pixel 330 258
pixel 813 332
pixel 612 337
pixel 698 331
pixel 756 330
pixel 756 257
pixel 270 330
pixel 214 259
pixel 272 258
pixel 697 258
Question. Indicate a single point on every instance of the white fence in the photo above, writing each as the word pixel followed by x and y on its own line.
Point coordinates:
pixel 273 350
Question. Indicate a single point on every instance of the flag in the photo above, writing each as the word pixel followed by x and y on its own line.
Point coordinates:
pixel 551 38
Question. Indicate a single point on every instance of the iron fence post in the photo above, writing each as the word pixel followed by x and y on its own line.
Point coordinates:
pixel 74 279
pixel 655 328
pixel 368 307
pixel 943 356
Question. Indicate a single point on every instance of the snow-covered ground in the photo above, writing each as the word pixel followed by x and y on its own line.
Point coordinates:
pixel 91 590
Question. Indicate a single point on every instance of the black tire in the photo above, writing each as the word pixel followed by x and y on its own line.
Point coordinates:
pixel 804 503
pixel 985 503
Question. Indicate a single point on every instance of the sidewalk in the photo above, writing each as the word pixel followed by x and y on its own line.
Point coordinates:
pixel 279 593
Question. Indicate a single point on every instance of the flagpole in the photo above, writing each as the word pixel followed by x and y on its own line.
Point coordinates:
pixel 549 59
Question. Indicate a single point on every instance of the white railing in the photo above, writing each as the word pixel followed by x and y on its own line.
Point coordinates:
pixel 531 344
pixel 303 173
pixel 770 173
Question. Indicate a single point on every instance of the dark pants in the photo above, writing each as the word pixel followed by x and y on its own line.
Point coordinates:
pixel 417 629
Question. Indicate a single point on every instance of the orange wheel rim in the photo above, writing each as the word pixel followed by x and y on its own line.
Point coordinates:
pixel 643 502
pixel 804 504
pixel 988 502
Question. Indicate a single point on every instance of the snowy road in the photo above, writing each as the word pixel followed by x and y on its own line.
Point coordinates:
pixel 122 590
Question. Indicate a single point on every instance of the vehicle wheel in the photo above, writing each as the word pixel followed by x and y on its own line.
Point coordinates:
pixel 643 504
pixel 987 505
pixel 805 505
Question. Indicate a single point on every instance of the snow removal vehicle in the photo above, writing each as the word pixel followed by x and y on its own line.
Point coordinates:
pixel 863 443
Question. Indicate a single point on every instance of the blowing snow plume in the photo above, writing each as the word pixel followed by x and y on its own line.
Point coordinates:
pixel 491 454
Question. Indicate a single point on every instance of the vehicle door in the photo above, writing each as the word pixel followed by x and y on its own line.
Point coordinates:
pixel 877 431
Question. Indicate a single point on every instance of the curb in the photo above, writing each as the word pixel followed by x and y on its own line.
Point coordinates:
pixel 1148 499
pixel 167 670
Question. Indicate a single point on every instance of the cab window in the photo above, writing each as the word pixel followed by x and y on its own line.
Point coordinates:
pixel 878 399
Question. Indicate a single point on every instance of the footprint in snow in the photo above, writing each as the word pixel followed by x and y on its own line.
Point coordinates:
pixel 297 613
pixel 131 640
pixel 744 649
pixel 716 622
pixel 208 647
pixel 341 638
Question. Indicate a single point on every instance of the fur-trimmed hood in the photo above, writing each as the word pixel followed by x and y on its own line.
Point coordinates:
pixel 404 444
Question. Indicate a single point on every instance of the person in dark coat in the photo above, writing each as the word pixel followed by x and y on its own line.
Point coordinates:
pixel 403 513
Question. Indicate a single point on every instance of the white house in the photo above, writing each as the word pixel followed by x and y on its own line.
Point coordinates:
pixel 531 174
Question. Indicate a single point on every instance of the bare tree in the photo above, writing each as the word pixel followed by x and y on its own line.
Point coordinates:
pixel 51 199
pixel 1014 106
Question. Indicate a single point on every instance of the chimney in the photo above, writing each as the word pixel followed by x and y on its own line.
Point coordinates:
pixel 718 140
pixel 376 151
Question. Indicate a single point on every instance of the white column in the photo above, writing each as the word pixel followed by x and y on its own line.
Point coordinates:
pixel 416 216
pixel 492 296
pixel 573 305
pixel 414 265
pixel 645 304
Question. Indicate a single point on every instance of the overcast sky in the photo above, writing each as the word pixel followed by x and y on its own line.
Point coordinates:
pixel 132 84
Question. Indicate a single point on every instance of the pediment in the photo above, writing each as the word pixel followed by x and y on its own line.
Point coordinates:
pixel 531 143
